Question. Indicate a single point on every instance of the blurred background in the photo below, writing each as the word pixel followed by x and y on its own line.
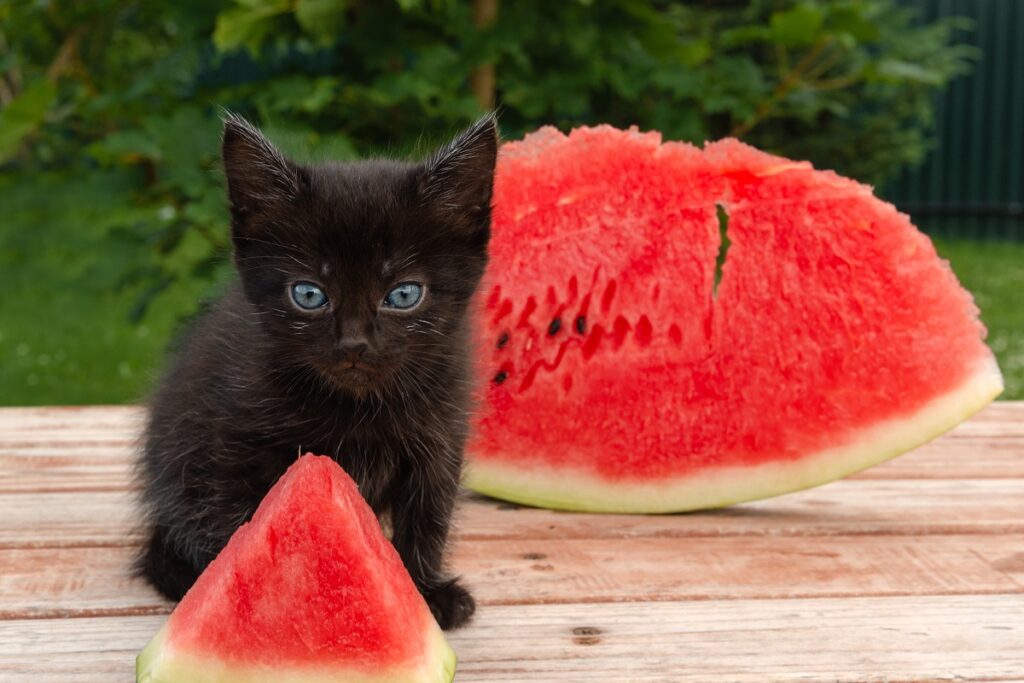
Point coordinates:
pixel 113 223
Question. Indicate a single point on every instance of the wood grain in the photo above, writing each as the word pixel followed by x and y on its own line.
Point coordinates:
pixel 911 571
pixel 975 638
pixel 17 422
pixel 46 582
pixel 68 519
pixel 906 507
pixel 91 448
pixel 77 466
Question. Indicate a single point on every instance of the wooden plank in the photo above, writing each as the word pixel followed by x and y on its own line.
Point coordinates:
pixel 70 419
pixel 68 519
pixel 80 449
pixel 749 641
pixel 68 582
pixel 551 571
pixel 106 465
pixel 74 449
pixel 49 447
pixel 936 536
pixel 959 455
pixel 91 449
pixel 996 419
pixel 859 639
pixel 45 582
pixel 67 473
pixel 850 507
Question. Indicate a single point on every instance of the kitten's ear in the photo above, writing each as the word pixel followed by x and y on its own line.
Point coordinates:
pixel 259 176
pixel 458 179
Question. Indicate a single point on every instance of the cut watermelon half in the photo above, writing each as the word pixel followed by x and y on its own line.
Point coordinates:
pixel 309 591
pixel 624 377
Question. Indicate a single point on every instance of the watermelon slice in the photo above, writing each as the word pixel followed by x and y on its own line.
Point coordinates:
pixel 623 378
pixel 309 591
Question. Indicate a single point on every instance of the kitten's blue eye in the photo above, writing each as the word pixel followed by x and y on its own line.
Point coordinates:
pixel 404 296
pixel 308 296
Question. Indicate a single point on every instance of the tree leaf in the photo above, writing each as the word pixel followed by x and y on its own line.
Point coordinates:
pixel 798 26
pixel 248 26
pixel 125 146
pixel 23 115
pixel 898 71
pixel 852 19
pixel 322 19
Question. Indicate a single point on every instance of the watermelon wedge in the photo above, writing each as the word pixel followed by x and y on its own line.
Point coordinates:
pixel 309 591
pixel 625 377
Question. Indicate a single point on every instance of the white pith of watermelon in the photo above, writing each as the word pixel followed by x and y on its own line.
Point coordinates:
pixel 719 487
pixel 309 591
pixel 623 380
pixel 154 666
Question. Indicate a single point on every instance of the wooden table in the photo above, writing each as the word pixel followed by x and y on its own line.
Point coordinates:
pixel 911 571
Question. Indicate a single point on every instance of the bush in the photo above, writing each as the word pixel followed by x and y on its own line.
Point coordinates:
pixel 124 97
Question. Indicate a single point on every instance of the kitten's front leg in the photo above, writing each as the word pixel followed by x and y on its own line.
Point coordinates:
pixel 164 567
pixel 421 513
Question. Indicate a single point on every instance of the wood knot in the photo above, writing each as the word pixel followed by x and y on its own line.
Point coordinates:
pixel 534 556
pixel 586 635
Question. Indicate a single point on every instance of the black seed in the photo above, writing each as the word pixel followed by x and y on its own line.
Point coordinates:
pixel 500 377
pixel 503 339
pixel 555 326
pixel 581 324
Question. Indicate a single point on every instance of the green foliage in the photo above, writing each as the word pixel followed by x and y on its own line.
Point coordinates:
pixel 23 115
pixel 993 271
pixel 117 102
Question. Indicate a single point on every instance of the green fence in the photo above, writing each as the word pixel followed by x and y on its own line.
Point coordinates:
pixel 972 182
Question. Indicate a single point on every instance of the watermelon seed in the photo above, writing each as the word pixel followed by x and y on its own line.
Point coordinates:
pixel 502 340
pixel 500 377
pixel 554 327
pixel 581 325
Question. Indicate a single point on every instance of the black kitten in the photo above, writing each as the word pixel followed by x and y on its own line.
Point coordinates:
pixel 347 334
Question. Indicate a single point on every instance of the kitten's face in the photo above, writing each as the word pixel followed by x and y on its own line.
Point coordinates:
pixel 362 272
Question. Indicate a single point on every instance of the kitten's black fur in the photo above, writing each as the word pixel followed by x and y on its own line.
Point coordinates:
pixel 257 381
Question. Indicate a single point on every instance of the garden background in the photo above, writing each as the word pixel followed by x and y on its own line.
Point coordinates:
pixel 113 225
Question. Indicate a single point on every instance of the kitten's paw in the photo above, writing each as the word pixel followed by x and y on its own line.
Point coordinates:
pixel 164 568
pixel 451 604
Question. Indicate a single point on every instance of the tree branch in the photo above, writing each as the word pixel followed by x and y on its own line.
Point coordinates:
pixel 65 54
pixel 10 81
pixel 791 80
pixel 482 80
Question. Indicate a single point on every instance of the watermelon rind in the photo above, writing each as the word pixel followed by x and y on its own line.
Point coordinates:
pixel 498 476
pixel 160 663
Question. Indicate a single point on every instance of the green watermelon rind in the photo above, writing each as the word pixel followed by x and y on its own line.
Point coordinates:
pixel 498 475
pixel 159 664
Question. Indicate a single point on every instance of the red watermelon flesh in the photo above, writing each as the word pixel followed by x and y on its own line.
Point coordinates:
pixel 309 591
pixel 621 378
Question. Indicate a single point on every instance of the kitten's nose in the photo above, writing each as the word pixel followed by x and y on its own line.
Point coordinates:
pixel 353 348
pixel 353 338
